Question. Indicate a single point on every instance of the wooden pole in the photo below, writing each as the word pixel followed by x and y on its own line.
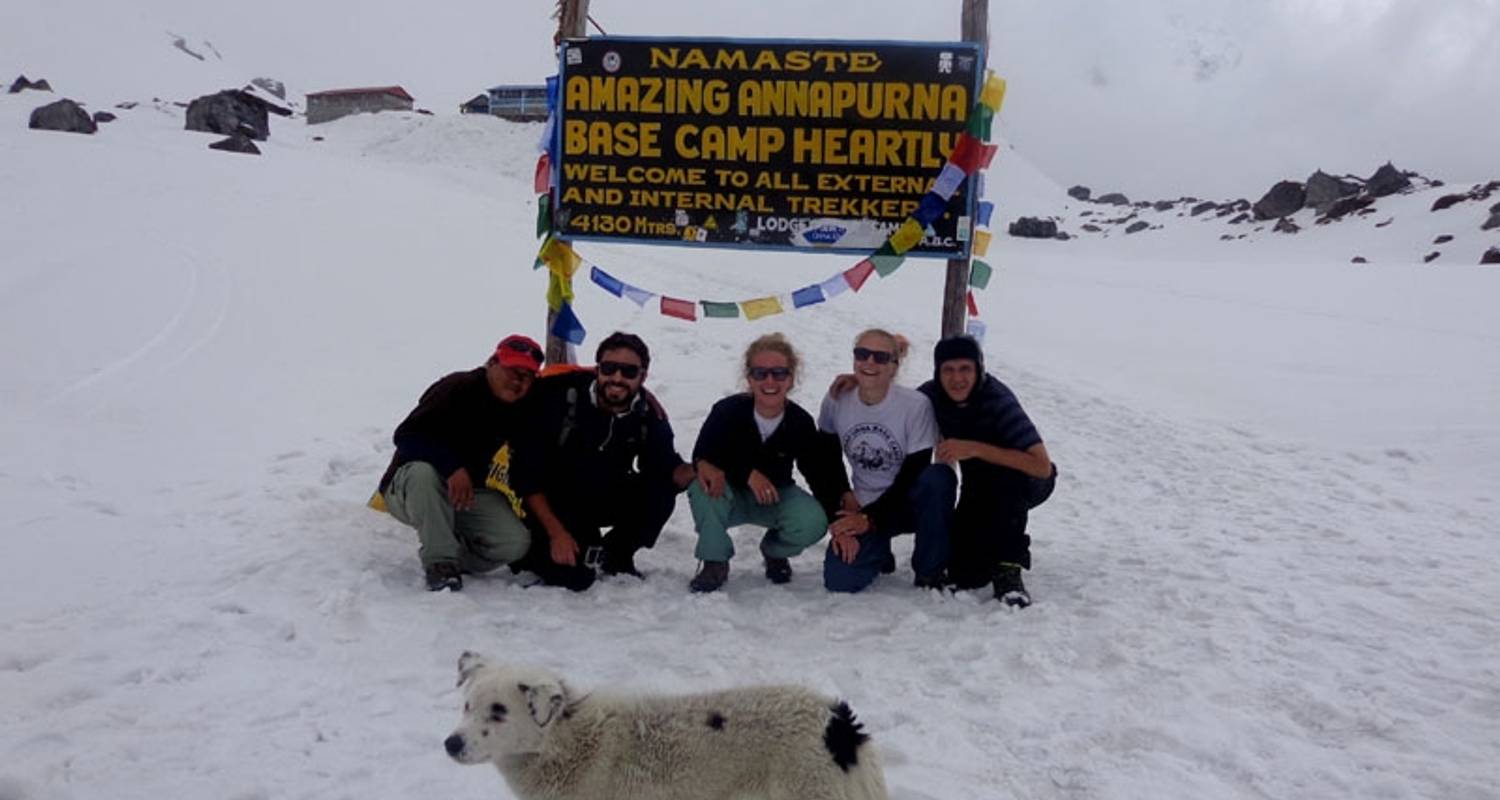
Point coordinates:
pixel 975 22
pixel 572 22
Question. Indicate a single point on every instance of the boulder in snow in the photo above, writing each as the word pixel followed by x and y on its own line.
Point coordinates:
pixel 1323 190
pixel 1137 227
pixel 1491 256
pixel 1387 180
pixel 21 84
pixel 1283 200
pixel 1079 192
pixel 1431 257
pixel 1359 260
pixel 1346 206
pixel 236 144
pixel 64 115
pixel 101 117
pixel 1206 205
pixel 1492 223
pixel 1285 225
pixel 1113 199
pixel 1444 239
pixel 232 112
pixel 1033 228
pixel 1448 201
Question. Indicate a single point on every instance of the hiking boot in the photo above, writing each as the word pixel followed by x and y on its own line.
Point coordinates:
pixel 778 570
pixel 937 580
pixel 1009 589
pixel 620 564
pixel 711 577
pixel 443 575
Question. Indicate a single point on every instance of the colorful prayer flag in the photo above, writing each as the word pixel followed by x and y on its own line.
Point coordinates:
pixel 552 87
pixel 979 274
pixel 543 177
pixel 559 291
pixel 835 286
pixel 931 207
pixel 973 306
pixel 559 257
pixel 607 282
pixel 721 310
pixel 986 209
pixel 981 122
pixel 859 273
pixel 637 295
pixel 886 262
pixel 965 154
pixel 948 181
pixel 681 309
pixel 543 214
pixel 986 155
pixel 981 242
pixel 977 329
pixel 993 93
pixel 807 296
pixel 761 307
pixel 566 325
pixel 906 237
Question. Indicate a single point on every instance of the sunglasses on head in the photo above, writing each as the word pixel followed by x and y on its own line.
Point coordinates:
pixel 627 371
pixel 761 373
pixel 878 356
pixel 524 347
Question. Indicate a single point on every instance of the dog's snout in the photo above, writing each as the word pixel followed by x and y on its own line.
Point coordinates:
pixel 454 745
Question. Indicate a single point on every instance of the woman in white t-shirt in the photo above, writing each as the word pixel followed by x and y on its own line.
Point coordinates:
pixel 887 433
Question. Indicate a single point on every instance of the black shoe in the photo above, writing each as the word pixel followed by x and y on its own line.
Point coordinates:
pixel 443 575
pixel 778 570
pixel 937 580
pixel 620 564
pixel 711 577
pixel 1009 588
pixel 888 566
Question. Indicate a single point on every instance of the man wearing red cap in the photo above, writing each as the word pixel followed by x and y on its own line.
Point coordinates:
pixel 449 478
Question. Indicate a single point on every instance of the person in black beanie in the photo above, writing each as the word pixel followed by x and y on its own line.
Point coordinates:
pixel 1005 468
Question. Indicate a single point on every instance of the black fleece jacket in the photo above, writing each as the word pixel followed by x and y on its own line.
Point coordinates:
pixel 458 422
pixel 730 440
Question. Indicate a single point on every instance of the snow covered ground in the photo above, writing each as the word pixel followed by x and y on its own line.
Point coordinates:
pixel 1266 571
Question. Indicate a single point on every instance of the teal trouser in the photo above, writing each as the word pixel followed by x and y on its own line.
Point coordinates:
pixel 480 539
pixel 793 524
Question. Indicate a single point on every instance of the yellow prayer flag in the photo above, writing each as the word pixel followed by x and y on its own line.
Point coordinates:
pixel 981 242
pixel 993 93
pixel 559 257
pixel 907 236
pixel 761 307
pixel 559 291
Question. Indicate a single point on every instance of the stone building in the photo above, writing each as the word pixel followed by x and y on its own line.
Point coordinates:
pixel 335 103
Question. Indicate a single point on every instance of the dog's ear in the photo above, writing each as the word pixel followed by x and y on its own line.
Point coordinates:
pixel 544 700
pixel 468 664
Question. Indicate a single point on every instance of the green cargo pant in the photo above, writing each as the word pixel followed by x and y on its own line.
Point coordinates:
pixel 793 524
pixel 486 536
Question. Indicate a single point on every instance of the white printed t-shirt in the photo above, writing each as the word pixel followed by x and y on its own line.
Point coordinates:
pixel 876 439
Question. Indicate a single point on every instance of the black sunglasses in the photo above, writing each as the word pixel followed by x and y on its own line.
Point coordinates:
pixel 628 371
pixel 878 356
pixel 761 373
pixel 522 347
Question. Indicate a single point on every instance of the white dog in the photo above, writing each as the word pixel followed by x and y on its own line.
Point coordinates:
pixel 771 742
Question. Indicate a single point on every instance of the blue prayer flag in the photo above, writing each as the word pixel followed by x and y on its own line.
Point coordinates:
pixel 607 282
pixel 986 208
pixel 567 326
pixel 931 207
pixel 806 296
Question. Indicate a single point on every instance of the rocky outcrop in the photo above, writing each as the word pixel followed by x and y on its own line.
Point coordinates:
pixel 1113 199
pixel 1207 205
pixel 233 112
pixel 1491 256
pixel 64 115
pixel 1323 190
pixel 1492 223
pixel 1163 205
pixel 1285 225
pixel 1137 227
pixel 274 87
pixel 1080 193
pixel 21 84
pixel 1387 181
pixel 1448 201
pixel 1346 206
pixel 1431 257
pixel 236 144
pixel 1283 200
pixel 1033 228
pixel 101 117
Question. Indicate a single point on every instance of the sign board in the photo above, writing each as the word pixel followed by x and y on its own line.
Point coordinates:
pixel 786 145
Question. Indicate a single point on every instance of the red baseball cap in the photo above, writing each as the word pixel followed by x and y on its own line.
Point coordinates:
pixel 521 352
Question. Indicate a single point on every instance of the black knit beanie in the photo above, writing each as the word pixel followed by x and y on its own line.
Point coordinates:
pixel 961 346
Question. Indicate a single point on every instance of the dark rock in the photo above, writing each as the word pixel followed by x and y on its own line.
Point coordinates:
pixel 1241 205
pixel 1431 257
pixel 424 112
pixel 1224 210
pixel 232 112
pixel 1386 181
pixel 1138 226
pixel 1495 209
pixel 127 105
pixel 1285 225
pixel 1491 223
pixel 1207 205
pixel 1092 228
pixel 1491 256
pixel 1079 193
pixel 1114 199
pixel 317 138
pixel 1284 199
pixel 1239 219
pixel 1163 205
pixel 1033 228
pixel 1387 221
pixel 1227 237
pixel 1448 201
pixel 1085 213
pixel 21 84
pixel 1323 190
pixel 1358 260
pixel 101 117
pixel 1347 205
pixel 64 115
pixel 1062 236
pixel 1444 239
pixel 236 144
pixel 271 85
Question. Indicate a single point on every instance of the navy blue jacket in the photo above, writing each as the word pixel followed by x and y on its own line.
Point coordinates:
pixel 991 415
pixel 730 440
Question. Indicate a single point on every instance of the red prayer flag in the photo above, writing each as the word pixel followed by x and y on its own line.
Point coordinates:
pixel 973 306
pixel 681 309
pixel 543 174
pixel 966 153
pixel 856 275
pixel 986 155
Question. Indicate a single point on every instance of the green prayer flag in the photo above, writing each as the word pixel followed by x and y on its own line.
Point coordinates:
pixel 712 309
pixel 543 215
pixel 980 120
pixel 979 274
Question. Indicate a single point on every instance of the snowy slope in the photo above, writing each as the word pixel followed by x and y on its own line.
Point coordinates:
pixel 1266 571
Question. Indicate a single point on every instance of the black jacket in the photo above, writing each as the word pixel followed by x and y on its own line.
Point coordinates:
pixel 458 422
pixel 573 448
pixel 992 415
pixel 730 440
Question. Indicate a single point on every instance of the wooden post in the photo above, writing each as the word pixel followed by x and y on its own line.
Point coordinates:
pixel 976 28
pixel 572 19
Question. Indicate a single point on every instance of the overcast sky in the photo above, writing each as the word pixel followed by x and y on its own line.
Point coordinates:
pixel 1159 98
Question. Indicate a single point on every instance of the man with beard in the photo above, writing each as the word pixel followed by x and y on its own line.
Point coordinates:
pixel 598 454
pixel 1006 470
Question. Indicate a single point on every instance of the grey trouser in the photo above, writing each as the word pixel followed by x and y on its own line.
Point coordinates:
pixel 486 536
